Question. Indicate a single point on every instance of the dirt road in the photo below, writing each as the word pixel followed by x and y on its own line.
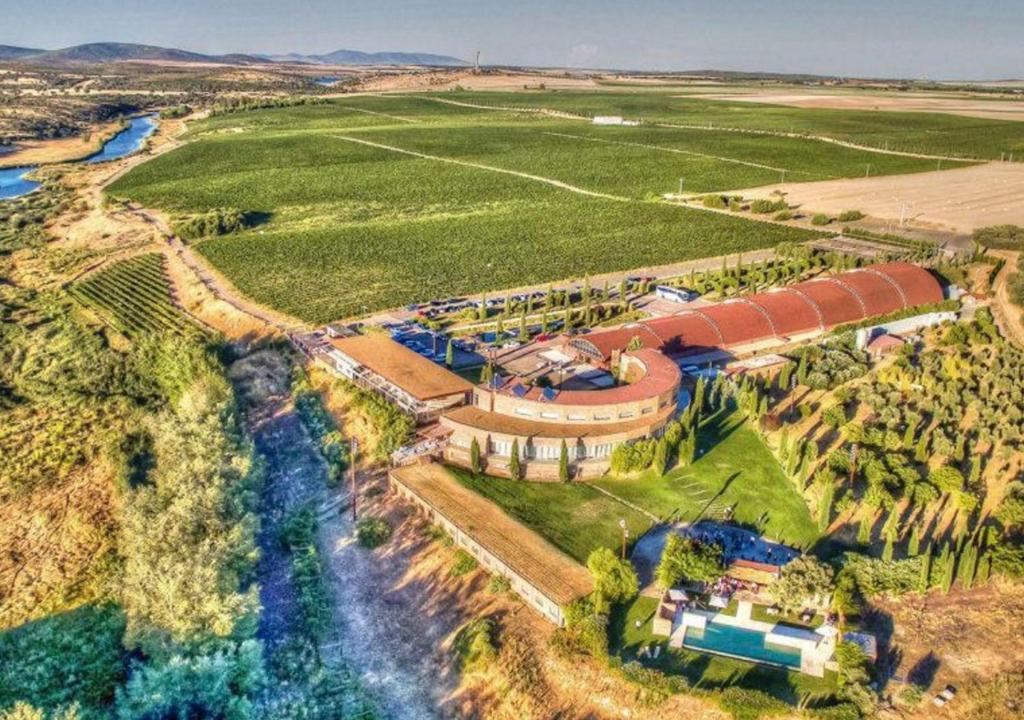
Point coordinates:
pixel 1008 315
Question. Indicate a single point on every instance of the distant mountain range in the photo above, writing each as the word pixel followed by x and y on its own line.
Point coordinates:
pixel 106 52
pixel 355 57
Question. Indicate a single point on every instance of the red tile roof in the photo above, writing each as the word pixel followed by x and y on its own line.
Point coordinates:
pixel 817 304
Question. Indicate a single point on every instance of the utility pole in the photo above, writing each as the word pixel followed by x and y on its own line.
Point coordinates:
pixel 353 446
pixel 680 186
pixel 625 534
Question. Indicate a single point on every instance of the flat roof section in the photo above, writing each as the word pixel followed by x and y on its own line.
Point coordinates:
pixel 410 371
pixel 556 575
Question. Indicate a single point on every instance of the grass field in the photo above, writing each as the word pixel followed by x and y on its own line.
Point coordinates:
pixel 733 468
pixel 711 671
pixel 134 295
pixel 930 133
pixel 354 228
pixel 575 518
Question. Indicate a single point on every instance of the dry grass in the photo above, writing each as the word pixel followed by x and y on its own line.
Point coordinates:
pixel 961 199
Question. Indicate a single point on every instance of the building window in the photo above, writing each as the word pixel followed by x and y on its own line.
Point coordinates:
pixel 576 417
pixel 602 417
pixel 625 415
pixel 524 411
pixel 549 415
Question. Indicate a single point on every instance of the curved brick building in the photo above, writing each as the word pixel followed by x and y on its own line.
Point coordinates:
pixel 590 422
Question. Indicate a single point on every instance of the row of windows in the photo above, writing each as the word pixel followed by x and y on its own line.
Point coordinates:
pixel 552 452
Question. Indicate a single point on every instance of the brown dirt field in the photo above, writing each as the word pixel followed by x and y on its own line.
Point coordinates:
pixel 964 636
pixel 969 107
pixel 38 152
pixel 959 200
pixel 444 80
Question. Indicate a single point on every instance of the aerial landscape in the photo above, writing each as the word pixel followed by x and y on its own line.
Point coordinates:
pixel 427 361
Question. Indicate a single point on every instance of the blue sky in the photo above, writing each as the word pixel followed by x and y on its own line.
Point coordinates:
pixel 949 39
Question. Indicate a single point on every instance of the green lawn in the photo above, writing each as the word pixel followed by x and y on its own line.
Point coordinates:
pixel 710 671
pixel 734 467
pixel 575 518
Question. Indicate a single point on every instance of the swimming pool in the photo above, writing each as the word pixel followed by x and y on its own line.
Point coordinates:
pixel 740 643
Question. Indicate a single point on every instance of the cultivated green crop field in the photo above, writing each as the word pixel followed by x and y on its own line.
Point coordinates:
pixel 378 201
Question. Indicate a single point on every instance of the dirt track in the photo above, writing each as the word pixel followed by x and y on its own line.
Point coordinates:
pixel 960 199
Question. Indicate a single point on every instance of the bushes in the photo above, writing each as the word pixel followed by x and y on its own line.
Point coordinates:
pixel 632 457
pixel 766 206
pixel 474 644
pixel 298 534
pixel 783 215
pixel 71 657
pixel 748 704
pixel 850 216
pixel 222 221
pixel 320 424
pixel 1000 237
pixel 391 425
pixel 715 202
pixel 654 687
pixel 464 563
pixel 372 532
pixel 685 558
pixel 820 219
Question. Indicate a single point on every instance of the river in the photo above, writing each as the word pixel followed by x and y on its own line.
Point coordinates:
pixel 14 184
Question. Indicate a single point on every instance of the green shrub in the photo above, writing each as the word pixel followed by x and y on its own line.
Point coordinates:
pixel 655 687
pixel 821 219
pixel 373 531
pixel 499 585
pixel 221 221
pixel 464 563
pixel 474 644
pixel 850 216
pixel 749 704
pixel 436 532
pixel 715 202
pixel 783 215
pixel 764 206
pixel 735 205
pixel 1000 237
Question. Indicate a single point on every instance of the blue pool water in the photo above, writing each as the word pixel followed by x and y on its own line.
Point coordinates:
pixel 740 642
pixel 127 141
pixel 13 182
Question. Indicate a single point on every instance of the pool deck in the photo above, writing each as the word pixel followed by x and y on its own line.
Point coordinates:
pixel 815 648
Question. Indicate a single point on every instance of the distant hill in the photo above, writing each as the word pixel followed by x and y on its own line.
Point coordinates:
pixel 9 52
pixel 356 57
pixel 106 52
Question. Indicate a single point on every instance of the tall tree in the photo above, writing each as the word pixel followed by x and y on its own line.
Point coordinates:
pixel 474 456
pixel 514 468
pixel 614 579
pixel 563 462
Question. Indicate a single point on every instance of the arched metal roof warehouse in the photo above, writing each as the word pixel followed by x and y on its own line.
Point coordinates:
pixel 806 307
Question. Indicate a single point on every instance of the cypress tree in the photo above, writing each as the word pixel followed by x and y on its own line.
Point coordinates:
pixel 784 445
pixel 449 354
pixel 481 313
pixel 513 460
pixel 499 326
pixel 921 451
pixel 544 322
pixel 567 319
pixel 975 475
pixel 864 532
pixel 522 327
pixel 698 394
pixel 887 550
pixel 786 376
pixel 623 292
pixel 487 374
pixel 925 579
pixel 984 568
pixel 825 506
pixel 908 435
pixel 474 456
pixel 948 569
pixel 915 541
pixel 660 461
pixel 967 566
pixel 801 370
pixel 563 463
